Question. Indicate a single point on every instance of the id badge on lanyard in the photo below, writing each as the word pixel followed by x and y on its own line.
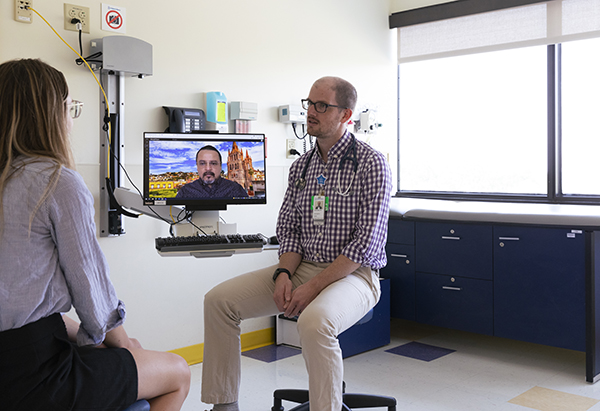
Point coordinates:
pixel 319 203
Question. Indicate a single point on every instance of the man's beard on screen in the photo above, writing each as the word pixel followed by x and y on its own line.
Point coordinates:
pixel 209 177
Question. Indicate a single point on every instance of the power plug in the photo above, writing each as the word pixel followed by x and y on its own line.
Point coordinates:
pixel 77 18
pixel 290 148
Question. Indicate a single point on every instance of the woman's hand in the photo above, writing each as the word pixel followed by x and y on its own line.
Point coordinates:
pixel 118 338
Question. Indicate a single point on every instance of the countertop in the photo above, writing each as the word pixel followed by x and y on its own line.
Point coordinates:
pixel 496 212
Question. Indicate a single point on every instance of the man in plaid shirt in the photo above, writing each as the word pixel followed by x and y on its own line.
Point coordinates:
pixel 332 229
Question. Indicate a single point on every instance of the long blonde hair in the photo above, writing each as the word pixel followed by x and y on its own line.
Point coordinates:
pixel 33 121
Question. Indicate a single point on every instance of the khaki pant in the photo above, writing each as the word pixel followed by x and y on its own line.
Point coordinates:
pixel 335 309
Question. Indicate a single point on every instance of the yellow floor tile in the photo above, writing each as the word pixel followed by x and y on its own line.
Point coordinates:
pixel 545 399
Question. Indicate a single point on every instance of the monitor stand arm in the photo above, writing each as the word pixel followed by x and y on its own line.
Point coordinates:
pixel 206 220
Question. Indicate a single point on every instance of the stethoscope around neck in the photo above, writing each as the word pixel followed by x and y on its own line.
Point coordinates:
pixel 351 150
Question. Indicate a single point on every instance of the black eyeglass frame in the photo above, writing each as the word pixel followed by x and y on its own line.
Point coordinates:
pixel 306 103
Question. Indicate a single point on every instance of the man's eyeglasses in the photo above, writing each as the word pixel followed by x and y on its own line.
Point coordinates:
pixel 319 106
pixel 75 108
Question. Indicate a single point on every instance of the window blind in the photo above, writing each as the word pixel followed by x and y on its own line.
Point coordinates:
pixel 580 16
pixel 547 22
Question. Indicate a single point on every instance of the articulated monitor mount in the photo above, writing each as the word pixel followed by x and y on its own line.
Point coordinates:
pixel 116 57
pixel 201 222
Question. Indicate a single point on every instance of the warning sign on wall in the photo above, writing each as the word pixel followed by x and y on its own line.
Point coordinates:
pixel 113 19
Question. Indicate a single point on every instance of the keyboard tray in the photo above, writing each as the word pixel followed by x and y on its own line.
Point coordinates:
pixel 209 243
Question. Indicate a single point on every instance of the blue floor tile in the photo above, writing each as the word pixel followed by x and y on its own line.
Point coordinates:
pixel 420 351
pixel 272 353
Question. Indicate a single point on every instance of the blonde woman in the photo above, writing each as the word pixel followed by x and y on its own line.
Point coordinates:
pixel 50 260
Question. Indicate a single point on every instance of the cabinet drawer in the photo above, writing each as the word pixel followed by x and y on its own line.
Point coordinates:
pixel 539 285
pixel 453 302
pixel 401 232
pixel 463 250
pixel 400 270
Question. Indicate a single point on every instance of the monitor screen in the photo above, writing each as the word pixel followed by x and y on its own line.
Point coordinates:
pixel 204 171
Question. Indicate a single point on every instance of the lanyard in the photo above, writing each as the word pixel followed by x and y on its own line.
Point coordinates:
pixel 301 182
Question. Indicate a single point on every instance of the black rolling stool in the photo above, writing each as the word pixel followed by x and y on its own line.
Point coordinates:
pixel 350 401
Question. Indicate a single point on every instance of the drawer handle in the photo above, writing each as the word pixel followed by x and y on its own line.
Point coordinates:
pixel 509 238
pixel 445 287
pixel 444 237
pixel 399 255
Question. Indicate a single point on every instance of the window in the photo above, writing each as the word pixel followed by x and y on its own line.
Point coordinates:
pixel 475 124
pixel 502 105
pixel 580 114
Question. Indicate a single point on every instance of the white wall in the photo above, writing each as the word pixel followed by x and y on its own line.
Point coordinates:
pixel 263 51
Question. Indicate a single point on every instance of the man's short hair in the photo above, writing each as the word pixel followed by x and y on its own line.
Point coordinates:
pixel 345 93
pixel 209 148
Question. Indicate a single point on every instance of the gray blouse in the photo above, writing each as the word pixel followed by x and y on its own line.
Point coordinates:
pixel 57 263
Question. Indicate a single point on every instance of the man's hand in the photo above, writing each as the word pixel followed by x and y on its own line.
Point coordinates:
pixel 283 284
pixel 283 292
pixel 301 297
pixel 307 292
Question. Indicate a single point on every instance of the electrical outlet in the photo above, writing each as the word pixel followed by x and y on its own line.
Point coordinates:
pixel 77 12
pixel 289 145
pixel 22 14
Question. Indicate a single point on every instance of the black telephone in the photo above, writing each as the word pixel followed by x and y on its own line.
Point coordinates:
pixel 185 120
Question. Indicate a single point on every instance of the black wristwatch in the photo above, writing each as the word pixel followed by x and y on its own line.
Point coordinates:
pixel 281 270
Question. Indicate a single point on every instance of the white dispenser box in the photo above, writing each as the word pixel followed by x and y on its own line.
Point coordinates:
pixel 243 110
pixel 216 111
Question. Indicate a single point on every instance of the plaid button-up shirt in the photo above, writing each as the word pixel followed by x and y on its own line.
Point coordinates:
pixel 355 225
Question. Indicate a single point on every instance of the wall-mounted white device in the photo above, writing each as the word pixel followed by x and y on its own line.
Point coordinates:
pixel 367 123
pixel 243 110
pixel 292 114
pixel 123 54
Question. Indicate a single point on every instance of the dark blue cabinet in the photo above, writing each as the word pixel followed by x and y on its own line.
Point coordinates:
pixel 539 285
pixel 520 282
pixel 454 302
pixel 401 231
pixel 400 268
pixel 463 250
pixel 528 282
pixel 453 279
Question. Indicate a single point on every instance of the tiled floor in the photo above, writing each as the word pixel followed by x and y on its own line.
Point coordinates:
pixel 427 369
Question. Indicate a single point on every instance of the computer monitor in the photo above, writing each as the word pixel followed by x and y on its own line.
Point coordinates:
pixel 172 162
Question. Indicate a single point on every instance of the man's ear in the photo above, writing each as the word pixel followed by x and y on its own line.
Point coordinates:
pixel 347 115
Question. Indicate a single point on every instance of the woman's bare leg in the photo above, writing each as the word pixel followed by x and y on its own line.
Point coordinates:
pixel 163 379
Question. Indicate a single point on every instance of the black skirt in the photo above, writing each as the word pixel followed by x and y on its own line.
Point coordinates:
pixel 40 369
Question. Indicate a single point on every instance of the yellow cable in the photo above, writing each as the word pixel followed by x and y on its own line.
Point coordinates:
pixel 93 74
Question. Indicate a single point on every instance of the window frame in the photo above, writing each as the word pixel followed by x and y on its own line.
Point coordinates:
pixel 554 193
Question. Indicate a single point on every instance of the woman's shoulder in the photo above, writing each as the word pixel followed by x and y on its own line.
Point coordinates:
pixel 45 171
pixel 71 181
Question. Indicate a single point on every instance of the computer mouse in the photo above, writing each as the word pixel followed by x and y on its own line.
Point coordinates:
pixel 273 240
